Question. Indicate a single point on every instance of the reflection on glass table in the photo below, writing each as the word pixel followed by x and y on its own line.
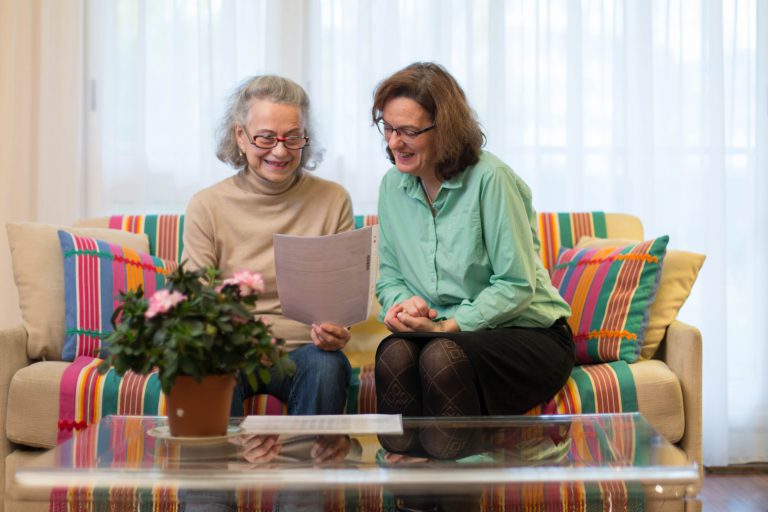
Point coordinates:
pixel 484 463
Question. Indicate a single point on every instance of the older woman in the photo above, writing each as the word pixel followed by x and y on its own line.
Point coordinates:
pixel 265 136
pixel 477 327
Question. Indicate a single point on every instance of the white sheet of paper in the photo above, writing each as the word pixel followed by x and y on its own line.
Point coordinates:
pixel 325 424
pixel 327 278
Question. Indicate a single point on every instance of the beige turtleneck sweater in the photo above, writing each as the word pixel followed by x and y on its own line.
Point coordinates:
pixel 230 226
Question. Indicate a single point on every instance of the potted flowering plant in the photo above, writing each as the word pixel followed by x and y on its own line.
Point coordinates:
pixel 198 331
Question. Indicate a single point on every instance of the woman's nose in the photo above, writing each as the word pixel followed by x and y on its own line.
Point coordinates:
pixel 280 149
pixel 394 140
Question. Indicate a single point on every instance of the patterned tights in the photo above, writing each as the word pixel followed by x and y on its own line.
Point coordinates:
pixel 432 379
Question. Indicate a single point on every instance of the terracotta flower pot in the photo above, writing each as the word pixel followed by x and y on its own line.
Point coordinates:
pixel 197 409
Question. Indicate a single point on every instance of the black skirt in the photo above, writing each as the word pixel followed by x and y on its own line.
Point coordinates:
pixel 516 368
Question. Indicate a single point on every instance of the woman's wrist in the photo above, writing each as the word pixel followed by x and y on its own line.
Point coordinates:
pixel 448 325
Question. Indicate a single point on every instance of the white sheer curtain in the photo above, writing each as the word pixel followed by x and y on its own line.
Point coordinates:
pixel 653 108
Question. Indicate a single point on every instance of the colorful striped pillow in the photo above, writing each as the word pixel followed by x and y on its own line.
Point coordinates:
pixel 95 272
pixel 610 291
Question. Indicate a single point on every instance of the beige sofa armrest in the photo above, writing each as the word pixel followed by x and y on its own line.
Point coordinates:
pixel 13 357
pixel 682 351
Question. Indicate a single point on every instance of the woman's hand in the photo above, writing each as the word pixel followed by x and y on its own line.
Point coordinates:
pixel 330 448
pixel 415 307
pixel 415 315
pixel 421 324
pixel 259 449
pixel 329 336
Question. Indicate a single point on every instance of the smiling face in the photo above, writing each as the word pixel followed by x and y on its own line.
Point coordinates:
pixel 279 120
pixel 417 156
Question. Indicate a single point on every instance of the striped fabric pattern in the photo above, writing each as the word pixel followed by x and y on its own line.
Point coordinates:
pixel 564 229
pixel 95 272
pixel 144 451
pixel 165 232
pixel 556 230
pixel 86 396
pixel 610 291
pixel 613 435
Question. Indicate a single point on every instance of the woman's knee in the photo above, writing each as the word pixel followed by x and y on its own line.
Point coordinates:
pixel 439 354
pixel 397 349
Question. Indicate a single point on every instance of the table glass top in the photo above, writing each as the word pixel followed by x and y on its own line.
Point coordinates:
pixel 453 454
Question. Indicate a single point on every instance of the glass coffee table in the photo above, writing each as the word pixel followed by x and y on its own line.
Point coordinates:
pixel 584 462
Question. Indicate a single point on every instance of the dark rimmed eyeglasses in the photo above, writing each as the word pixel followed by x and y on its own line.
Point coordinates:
pixel 405 133
pixel 270 141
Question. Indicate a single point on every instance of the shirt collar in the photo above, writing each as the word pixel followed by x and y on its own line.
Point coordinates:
pixel 410 183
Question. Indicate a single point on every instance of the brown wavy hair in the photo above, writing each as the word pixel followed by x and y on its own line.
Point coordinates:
pixel 458 136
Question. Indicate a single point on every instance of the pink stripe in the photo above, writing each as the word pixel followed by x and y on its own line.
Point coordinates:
pixel 116 222
pixel 86 282
pixel 68 394
pixel 118 276
pixel 593 295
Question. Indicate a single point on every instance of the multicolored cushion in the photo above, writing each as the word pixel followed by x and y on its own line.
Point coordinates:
pixel 678 274
pixel 95 272
pixel 38 270
pixel 165 232
pixel 610 291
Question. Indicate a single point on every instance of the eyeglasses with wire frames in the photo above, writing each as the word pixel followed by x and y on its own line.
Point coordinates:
pixel 407 134
pixel 270 141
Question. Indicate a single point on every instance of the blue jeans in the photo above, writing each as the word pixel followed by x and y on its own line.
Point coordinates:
pixel 319 385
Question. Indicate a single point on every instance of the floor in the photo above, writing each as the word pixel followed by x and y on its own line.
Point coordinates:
pixel 727 492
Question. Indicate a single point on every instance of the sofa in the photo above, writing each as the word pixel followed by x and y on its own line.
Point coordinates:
pixel 667 380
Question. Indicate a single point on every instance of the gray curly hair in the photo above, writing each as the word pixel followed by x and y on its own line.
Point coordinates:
pixel 266 87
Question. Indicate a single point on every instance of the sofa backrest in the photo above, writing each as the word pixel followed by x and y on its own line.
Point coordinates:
pixel 556 230
pixel 165 232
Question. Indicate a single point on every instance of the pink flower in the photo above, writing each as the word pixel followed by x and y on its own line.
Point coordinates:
pixel 249 282
pixel 162 301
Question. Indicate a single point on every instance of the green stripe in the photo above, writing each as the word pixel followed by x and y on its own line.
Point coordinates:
pixel 87 252
pixel 626 384
pixel 86 332
pixel 566 233
pixel 110 394
pixel 359 220
pixel 152 396
pixel 353 391
pixel 586 391
pixel 598 223
pixel 181 238
pixel 150 229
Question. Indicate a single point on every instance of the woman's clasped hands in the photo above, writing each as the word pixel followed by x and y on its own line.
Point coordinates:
pixel 415 315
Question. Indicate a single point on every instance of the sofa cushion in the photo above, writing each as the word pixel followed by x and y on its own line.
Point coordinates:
pixel 33 404
pixel 610 291
pixel 678 273
pixel 95 272
pixel 25 498
pixel 660 398
pixel 38 270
